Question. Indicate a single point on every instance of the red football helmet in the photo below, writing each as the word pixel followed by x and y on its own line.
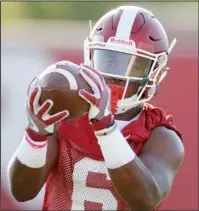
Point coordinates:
pixel 129 44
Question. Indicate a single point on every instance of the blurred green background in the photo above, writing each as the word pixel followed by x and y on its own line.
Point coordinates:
pixel 78 10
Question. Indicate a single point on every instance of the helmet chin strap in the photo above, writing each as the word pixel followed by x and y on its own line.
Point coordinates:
pixel 121 108
pixel 124 105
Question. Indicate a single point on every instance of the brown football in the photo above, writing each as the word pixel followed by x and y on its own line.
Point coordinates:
pixel 61 83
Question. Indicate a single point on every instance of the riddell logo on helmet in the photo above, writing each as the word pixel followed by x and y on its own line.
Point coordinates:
pixel 121 41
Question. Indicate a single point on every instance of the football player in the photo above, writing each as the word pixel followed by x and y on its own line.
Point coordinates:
pixel 123 155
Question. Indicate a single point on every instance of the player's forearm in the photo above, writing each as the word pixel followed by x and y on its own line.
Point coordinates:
pixel 30 166
pixel 133 181
pixel 136 186
pixel 25 182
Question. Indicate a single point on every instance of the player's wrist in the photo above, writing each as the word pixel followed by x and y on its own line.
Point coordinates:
pixel 106 131
pixel 100 126
pixel 35 136
pixel 31 153
pixel 115 149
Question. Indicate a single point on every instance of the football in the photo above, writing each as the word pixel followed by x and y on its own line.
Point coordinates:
pixel 61 83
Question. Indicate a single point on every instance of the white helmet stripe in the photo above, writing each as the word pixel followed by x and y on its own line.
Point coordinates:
pixel 126 22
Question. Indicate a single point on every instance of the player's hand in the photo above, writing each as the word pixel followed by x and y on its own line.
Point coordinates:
pixel 99 114
pixel 40 122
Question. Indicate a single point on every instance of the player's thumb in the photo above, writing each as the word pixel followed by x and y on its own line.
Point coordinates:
pixel 88 97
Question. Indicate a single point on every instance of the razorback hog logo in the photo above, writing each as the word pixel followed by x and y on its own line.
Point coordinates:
pixel 121 41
